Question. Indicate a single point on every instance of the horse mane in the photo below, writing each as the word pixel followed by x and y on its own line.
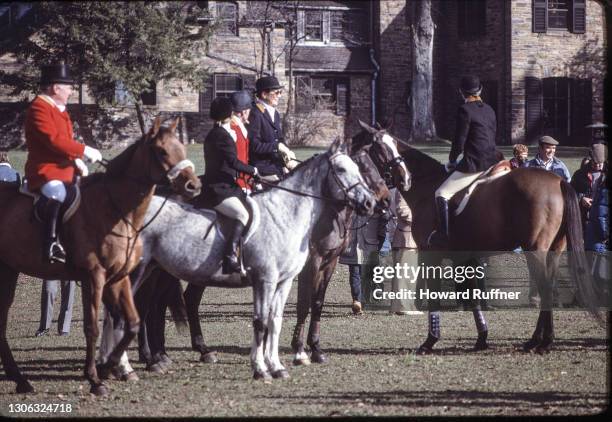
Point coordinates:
pixel 421 166
pixel 115 167
pixel 291 174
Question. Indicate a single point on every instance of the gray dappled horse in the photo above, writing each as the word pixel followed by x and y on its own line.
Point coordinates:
pixel 275 246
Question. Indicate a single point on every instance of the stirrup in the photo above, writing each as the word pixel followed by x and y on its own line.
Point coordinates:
pixel 57 253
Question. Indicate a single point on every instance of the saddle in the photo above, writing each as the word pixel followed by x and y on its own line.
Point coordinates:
pixel 68 208
pixel 460 200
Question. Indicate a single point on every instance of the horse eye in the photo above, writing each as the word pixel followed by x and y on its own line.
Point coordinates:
pixel 341 170
pixel 162 152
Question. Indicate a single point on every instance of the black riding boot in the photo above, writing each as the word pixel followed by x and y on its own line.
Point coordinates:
pixel 231 262
pixel 441 236
pixel 53 250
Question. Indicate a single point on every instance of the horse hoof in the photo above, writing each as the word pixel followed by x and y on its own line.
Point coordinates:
pixel 156 368
pixel 318 357
pixel 543 348
pixel 259 375
pixel 424 350
pixel 130 377
pixel 165 359
pixel 280 374
pixel 302 362
pixel 99 390
pixel 530 345
pixel 24 388
pixel 210 357
pixel 480 345
pixel 105 372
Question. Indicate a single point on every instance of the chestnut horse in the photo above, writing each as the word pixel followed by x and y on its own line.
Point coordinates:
pixel 101 239
pixel 529 208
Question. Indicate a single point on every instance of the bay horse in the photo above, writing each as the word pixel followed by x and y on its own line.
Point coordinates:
pixel 101 239
pixel 374 156
pixel 529 208
pixel 186 243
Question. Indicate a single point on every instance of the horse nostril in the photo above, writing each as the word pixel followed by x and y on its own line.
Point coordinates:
pixel 190 187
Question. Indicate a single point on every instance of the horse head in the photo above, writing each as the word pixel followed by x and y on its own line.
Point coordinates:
pixel 371 175
pixel 346 183
pixel 170 161
pixel 385 155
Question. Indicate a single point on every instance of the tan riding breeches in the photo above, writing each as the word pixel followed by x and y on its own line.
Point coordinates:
pixel 455 183
pixel 233 208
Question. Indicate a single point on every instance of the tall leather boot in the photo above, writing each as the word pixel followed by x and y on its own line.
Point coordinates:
pixel 53 250
pixel 440 237
pixel 231 262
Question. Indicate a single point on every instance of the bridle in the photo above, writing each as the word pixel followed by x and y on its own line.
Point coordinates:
pixel 387 166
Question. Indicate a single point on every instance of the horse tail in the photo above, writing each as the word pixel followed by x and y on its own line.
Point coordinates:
pixel 579 266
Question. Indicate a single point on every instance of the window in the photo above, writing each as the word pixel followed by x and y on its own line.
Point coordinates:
pixel 471 18
pixel 568 15
pixel 349 26
pixel 12 13
pixel 559 107
pixel 122 96
pixel 150 98
pixel 226 84
pixel 322 92
pixel 227 18
pixel 313 26
pixel 489 94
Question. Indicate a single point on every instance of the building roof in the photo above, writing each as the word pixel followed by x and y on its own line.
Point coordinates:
pixel 326 58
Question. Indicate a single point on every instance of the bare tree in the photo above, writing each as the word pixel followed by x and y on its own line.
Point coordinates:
pixel 300 129
pixel 421 99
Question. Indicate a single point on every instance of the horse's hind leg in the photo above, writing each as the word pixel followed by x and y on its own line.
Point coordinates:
pixel 306 281
pixel 552 272
pixel 91 291
pixel 262 299
pixel 8 284
pixel 536 262
pixel 193 297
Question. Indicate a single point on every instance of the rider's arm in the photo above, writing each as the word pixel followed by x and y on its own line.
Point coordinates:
pixel 256 143
pixel 228 148
pixel 43 123
pixel 461 132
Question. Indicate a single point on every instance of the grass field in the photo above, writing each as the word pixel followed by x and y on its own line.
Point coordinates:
pixel 571 156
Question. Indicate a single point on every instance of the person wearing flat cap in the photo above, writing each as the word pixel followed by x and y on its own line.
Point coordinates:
pixel 222 167
pixel 587 179
pixel 53 153
pixel 475 139
pixel 545 158
pixel 267 151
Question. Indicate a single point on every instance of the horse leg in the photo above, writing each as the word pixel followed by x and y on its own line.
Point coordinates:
pixel 120 293
pixel 193 296
pixel 275 322
pixel 8 284
pixel 536 263
pixel 91 292
pixel 262 297
pixel 305 280
pixel 433 334
pixel 479 320
pixel 318 299
pixel 548 335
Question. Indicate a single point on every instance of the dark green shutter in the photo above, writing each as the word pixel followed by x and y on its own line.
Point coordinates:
pixel 533 108
pixel 342 98
pixel 581 111
pixel 540 15
pixel 578 17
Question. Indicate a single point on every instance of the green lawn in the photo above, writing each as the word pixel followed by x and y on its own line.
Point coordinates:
pixel 571 156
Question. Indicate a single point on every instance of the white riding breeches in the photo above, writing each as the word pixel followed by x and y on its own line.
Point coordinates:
pixel 54 189
pixel 455 183
pixel 233 208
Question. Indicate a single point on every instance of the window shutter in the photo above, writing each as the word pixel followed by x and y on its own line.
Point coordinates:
pixel 581 111
pixel 342 98
pixel 578 21
pixel 540 15
pixel 533 108
pixel 303 94
pixel 326 26
pixel 300 25
pixel 206 96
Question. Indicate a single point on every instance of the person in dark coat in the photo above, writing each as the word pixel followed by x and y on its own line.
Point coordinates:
pixel 588 177
pixel 221 171
pixel 475 139
pixel 267 150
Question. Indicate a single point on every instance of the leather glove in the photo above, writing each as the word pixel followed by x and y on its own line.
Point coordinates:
pixel 256 176
pixel 81 167
pixel 92 155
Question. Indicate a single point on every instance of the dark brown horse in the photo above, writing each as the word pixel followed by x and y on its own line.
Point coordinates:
pixel 529 208
pixel 101 239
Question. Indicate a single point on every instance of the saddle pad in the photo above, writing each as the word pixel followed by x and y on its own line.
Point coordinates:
pixel 69 207
pixel 494 172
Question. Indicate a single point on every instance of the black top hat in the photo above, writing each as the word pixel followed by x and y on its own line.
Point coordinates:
pixel 267 83
pixel 55 74
pixel 220 109
pixel 470 84
pixel 241 100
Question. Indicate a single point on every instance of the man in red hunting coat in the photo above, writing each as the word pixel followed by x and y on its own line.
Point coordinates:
pixel 53 154
pixel 241 108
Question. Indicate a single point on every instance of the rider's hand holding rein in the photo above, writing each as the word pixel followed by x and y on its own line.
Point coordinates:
pixel 92 155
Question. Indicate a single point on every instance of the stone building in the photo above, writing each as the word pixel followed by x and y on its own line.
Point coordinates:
pixel 542 64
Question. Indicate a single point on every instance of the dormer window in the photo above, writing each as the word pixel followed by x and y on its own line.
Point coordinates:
pixel 347 27
pixel 313 26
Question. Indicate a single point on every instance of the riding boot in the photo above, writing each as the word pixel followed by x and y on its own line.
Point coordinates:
pixel 231 261
pixel 53 250
pixel 440 237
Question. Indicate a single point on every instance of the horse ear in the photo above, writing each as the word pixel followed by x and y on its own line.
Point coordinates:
pixel 174 124
pixel 155 127
pixel 367 127
pixel 336 146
